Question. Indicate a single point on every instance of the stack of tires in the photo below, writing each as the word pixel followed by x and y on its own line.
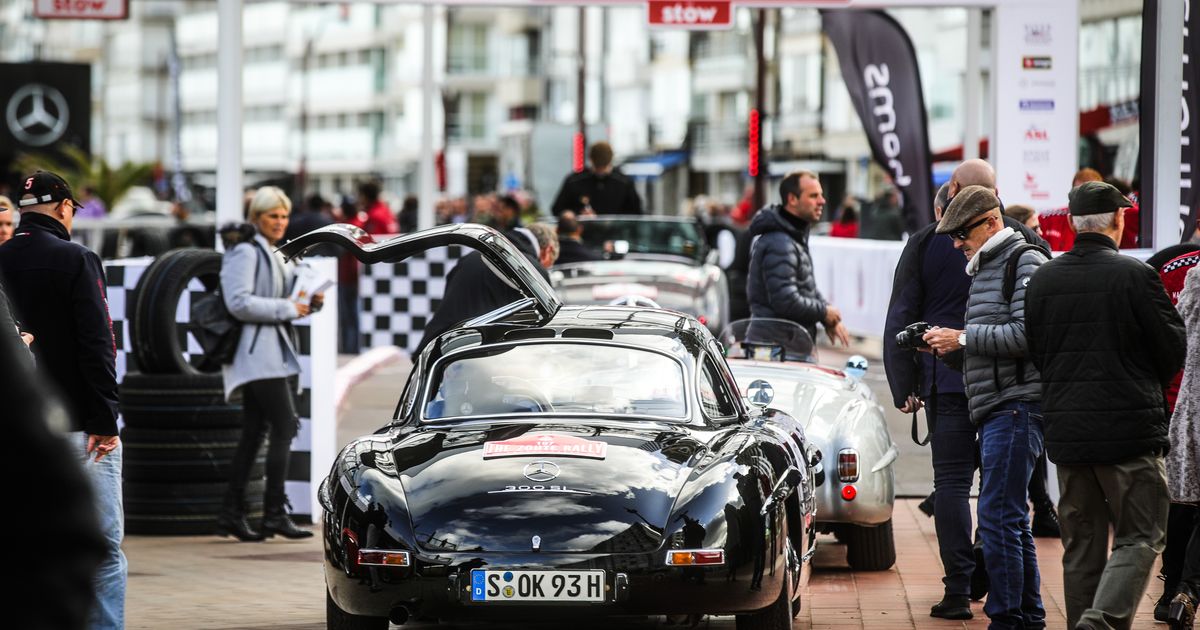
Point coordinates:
pixel 180 434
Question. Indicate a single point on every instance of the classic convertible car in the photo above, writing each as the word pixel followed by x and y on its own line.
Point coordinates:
pixel 841 418
pixel 661 258
pixel 547 462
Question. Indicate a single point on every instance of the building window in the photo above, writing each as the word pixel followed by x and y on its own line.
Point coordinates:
pixel 466 118
pixel 468 49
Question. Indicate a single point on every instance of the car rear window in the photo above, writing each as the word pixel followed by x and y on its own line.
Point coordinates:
pixel 557 378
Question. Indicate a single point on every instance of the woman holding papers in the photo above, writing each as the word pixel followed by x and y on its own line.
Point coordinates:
pixel 257 286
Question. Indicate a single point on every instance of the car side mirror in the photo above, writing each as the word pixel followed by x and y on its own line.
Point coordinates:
pixel 760 393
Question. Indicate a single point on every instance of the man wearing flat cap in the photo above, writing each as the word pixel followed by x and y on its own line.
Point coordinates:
pixel 1003 396
pixel 58 292
pixel 1106 338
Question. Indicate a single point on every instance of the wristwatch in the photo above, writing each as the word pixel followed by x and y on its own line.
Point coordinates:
pixel 962 339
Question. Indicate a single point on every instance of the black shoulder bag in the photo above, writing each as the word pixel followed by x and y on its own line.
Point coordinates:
pixel 216 330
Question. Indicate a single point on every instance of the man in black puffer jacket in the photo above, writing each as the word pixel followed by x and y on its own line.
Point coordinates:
pixel 1106 338
pixel 781 284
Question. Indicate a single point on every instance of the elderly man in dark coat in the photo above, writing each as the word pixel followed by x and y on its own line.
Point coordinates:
pixel 1106 338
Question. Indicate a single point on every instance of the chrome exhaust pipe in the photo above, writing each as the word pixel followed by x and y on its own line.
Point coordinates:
pixel 399 615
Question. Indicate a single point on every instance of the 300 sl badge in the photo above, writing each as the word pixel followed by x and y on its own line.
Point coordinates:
pixel 538 488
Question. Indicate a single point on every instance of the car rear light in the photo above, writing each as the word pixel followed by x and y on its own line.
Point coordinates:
pixel 696 557
pixel 848 493
pixel 847 465
pixel 383 558
pixel 703 320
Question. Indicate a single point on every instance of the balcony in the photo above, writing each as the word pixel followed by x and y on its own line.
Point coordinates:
pixel 720 146
pixel 1108 86
pixel 722 62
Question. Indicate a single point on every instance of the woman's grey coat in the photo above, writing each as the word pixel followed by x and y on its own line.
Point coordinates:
pixel 263 302
pixel 1183 460
pixel 995 365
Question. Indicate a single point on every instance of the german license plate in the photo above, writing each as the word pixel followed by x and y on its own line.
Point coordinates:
pixel 537 586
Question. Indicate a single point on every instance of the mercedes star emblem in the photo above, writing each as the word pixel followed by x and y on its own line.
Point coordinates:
pixel 37 115
pixel 540 471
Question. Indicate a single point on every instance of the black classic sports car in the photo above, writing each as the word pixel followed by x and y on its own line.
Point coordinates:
pixel 548 462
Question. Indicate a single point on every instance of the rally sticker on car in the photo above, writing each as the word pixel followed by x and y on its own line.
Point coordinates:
pixel 537 586
pixel 546 444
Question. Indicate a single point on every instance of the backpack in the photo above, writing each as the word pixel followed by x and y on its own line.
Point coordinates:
pixel 1007 288
pixel 216 330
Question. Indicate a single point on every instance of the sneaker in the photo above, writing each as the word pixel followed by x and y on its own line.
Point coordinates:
pixel 1045 521
pixel 952 607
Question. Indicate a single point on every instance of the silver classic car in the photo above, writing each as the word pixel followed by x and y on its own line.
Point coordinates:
pixel 775 359
pixel 664 259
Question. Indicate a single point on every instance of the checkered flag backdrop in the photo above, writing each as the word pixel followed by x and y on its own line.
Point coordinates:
pixel 315 446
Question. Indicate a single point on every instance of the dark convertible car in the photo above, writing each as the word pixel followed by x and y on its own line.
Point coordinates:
pixel 553 462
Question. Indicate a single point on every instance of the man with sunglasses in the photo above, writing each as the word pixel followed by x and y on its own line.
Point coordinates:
pixel 1003 396
pixel 59 294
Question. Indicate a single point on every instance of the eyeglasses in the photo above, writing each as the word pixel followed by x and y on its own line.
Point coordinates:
pixel 961 234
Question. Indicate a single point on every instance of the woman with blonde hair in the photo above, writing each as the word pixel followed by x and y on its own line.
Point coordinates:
pixel 256 284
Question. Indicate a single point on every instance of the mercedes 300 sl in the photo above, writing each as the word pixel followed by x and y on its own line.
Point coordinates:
pixel 547 462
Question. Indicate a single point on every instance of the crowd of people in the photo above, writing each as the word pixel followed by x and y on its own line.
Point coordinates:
pixel 1023 356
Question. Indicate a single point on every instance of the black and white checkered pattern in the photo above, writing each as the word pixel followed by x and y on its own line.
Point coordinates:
pixel 396 301
pixel 307 462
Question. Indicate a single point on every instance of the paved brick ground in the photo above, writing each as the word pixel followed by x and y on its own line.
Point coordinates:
pixel 213 583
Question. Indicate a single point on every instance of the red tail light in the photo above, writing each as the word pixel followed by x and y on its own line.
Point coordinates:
pixel 383 558
pixel 696 557
pixel 848 493
pixel 847 465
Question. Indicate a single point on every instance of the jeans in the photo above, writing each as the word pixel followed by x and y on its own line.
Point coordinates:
pixel 105 476
pixel 1103 591
pixel 1010 441
pixel 268 408
pixel 953 448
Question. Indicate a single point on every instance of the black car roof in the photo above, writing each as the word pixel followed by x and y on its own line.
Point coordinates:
pixel 652 328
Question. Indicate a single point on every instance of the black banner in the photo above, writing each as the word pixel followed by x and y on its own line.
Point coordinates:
pixel 879 66
pixel 1189 201
pixel 44 106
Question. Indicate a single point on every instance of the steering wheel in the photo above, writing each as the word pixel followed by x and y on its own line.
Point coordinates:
pixel 517 386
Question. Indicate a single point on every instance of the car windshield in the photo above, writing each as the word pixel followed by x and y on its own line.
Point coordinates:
pixel 645 236
pixel 559 378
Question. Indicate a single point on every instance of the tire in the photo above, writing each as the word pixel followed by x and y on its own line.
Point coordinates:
pixel 176 525
pixel 777 616
pixel 184 507
pixel 338 619
pixel 191 470
pixel 871 548
pixel 157 337
pixel 139 390
pixel 166 492
pixel 182 417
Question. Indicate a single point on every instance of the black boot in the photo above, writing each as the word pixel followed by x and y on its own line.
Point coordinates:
pixel 232 521
pixel 979 577
pixel 952 607
pixel 1045 520
pixel 1181 615
pixel 277 521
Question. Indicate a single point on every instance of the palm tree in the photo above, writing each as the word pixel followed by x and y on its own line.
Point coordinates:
pixel 82 170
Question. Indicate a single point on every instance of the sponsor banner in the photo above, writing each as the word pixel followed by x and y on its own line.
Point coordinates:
pixel 880 68
pixel 81 9
pixel 690 14
pixel 44 106
pixel 1037 114
pixel 546 444
pixel 1189 164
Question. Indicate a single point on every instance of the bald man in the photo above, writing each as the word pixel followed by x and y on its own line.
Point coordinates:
pixel 974 172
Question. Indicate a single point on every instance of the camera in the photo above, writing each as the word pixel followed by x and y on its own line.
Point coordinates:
pixel 912 337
